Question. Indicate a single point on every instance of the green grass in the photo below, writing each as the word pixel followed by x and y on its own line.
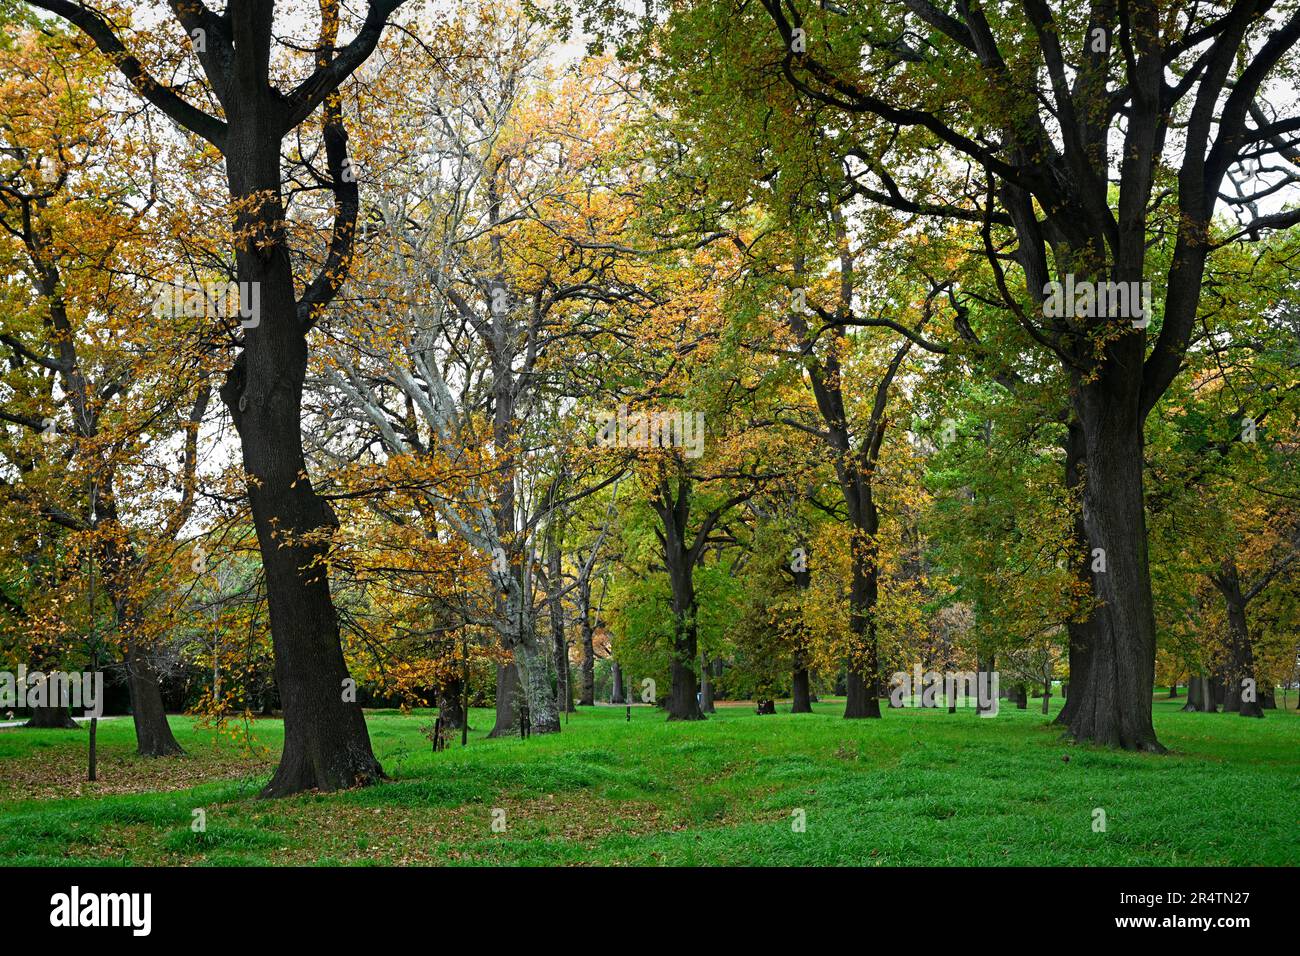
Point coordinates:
pixel 918 787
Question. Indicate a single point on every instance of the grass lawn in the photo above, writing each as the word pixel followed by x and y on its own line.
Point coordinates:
pixel 918 787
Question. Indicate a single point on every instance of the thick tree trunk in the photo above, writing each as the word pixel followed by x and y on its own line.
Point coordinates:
pixel 683 703
pixel 534 677
pixel 1241 694
pixel 862 693
pixel 153 735
pixel 50 718
pixel 509 697
pixel 1113 708
pixel 1199 697
pixel 326 745
pixel 802 699
pixel 1079 632
pixel 1173 690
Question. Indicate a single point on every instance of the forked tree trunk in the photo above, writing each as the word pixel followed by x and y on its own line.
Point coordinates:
pixel 326 745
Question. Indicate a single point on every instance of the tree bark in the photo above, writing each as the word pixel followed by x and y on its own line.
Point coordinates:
pixel 153 734
pixel 616 692
pixel 326 744
pixel 588 693
pixel 673 509
pixel 985 667
pixel 451 706
pixel 50 718
pixel 1199 697
pixel 563 688
pixel 1079 631
pixel 1113 708
pixel 801 703
pixel 862 698
pixel 800 683
pixel 1241 656
pixel 509 697
pixel 706 687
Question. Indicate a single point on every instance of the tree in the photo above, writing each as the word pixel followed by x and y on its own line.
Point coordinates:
pixel 1050 175
pixel 326 745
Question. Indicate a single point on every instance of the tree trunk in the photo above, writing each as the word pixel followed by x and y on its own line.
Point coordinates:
pixel 800 682
pixel 50 718
pixel 1113 707
pixel 1173 690
pixel 802 703
pixel 1199 697
pixel 326 744
pixel 509 697
pixel 1079 632
pixel 563 687
pixel 153 735
pixel 451 706
pixel 706 687
pixel 862 693
pixel 985 668
pixel 588 694
pixel 1241 691
pixel 543 713
pixel 674 511
pixel 616 692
